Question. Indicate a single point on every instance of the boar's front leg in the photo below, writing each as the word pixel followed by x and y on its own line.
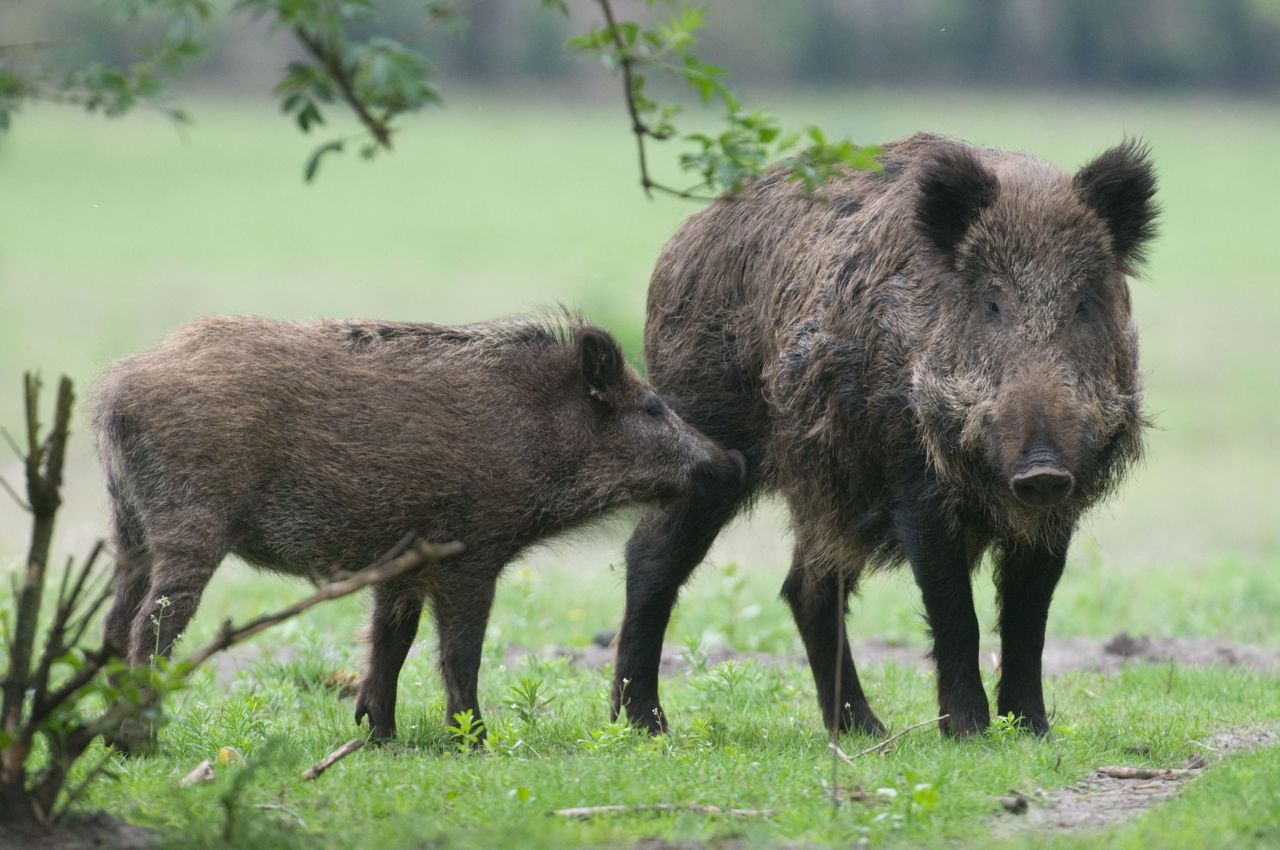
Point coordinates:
pixel 1026 576
pixel 941 566
pixel 664 549
pixel 397 608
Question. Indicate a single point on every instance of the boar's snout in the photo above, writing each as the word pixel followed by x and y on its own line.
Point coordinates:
pixel 1042 481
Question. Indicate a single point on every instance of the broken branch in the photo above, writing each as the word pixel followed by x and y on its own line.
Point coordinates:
pixel 333 758
pixel 887 741
pixel 590 811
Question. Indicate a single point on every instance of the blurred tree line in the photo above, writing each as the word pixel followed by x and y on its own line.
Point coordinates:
pixel 1222 44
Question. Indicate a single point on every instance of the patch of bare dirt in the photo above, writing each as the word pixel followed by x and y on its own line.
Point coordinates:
pixel 96 831
pixel 1111 795
pixel 1061 655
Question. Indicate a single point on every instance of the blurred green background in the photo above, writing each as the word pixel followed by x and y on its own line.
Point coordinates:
pixel 522 192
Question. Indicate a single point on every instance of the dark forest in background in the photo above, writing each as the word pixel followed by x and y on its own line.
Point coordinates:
pixel 1141 44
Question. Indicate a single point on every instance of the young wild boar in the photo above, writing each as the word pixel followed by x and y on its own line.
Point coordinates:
pixel 309 447
pixel 927 362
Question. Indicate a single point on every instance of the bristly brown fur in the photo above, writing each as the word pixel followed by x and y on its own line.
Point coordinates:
pixel 829 347
pixel 927 362
pixel 306 447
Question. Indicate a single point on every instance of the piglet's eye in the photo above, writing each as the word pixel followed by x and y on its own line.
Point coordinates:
pixel 991 308
pixel 653 407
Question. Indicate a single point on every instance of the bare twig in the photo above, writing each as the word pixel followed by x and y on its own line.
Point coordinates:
pixel 434 19
pixel 343 78
pixel 13 444
pixel 887 741
pixel 333 758
pixel 76 792
pixel 228 635
pixel 277 807
pixel 590 811
pixel 44 461
pixel 8 488
pixel 641 130
pixel 56 644
pixel 836 706
pixel 1122 772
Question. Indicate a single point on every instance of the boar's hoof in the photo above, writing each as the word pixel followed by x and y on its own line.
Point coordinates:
pixel 963 723
pixel 869 726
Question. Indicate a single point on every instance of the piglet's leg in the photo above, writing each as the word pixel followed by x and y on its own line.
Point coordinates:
pixel 179 575
pixel 1025 579
pixel 462 614
pixel 397 609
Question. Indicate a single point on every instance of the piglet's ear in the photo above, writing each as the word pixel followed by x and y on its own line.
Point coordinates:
pixel 601 361
pixel 954 189
pixel 1120 186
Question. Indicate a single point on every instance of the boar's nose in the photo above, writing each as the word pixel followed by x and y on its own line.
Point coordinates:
pixel 1042 486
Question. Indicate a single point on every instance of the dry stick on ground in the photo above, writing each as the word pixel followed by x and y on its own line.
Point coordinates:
pixel 1122 772
pixel 333 758
pixel 589 811
pixel 847 759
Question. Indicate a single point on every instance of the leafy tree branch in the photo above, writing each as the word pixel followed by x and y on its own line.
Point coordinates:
pixel 381 78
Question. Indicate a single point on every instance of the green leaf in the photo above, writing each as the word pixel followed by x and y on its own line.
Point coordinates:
pixel 313 162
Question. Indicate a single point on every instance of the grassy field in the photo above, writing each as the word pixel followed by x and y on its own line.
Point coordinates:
pixel 113 233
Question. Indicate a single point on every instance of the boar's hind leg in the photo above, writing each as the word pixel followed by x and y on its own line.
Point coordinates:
pixel 461 606
pixel 813 595
pixel 397 608
pixel 667 544
pixel 942 567
pixel 1025 579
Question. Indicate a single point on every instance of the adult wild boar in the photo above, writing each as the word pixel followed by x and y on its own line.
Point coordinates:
pixel 927 362
pixel 305 447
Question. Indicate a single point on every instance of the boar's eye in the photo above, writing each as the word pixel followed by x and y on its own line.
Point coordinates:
pixel 653 407
pixel 1082 309
pixel 990 308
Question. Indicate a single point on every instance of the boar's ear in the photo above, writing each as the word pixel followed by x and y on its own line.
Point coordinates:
pixel 1120 186
pixel 954 188
pixel 601 361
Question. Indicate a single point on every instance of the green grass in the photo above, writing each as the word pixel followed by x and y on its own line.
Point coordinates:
pixel 111 234
pixel 746 737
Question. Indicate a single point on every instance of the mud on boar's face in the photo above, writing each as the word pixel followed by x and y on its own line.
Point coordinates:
pixel 1029 388
pixel 638 440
